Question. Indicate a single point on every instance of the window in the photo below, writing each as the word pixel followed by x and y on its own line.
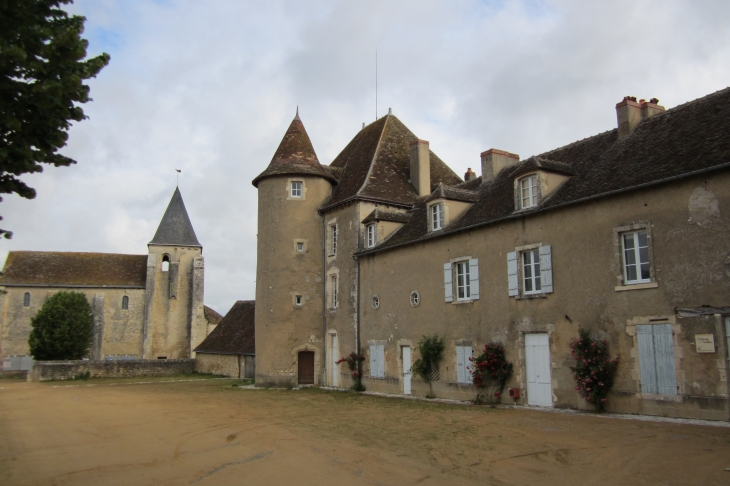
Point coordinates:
pixel 125 303
pixel 165 263
pixel 333 239
pixel 635 253
pixel 298 300
pixel 437 216
pixel 377 361
pixel 656 359
pixel 26 299
pixel 370 242
pixel 415 298
pixel 334 292
pixel 296 188
pixel 300 247
pixel 376 301
pixel 528 191
pixel 462 278
pixel 530 271
pixel 463 364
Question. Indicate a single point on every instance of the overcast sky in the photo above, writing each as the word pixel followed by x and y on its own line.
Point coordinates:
pixel 211 87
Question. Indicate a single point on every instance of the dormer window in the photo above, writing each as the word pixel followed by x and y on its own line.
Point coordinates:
pixel 371 238
pixel 436 215
pixel 165 263
pixel 296 189
pixel 528 191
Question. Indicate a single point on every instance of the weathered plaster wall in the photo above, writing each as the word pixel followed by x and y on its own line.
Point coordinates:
pixel 689 248
pixel 219 364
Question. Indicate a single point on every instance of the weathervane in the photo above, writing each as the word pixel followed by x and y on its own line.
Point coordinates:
pixel 177 177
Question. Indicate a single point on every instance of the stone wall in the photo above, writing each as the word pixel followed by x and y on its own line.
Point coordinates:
pixel 219 364
pixel 68 370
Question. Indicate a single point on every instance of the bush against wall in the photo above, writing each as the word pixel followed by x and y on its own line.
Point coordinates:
pixel 490 372
pixel 594 370
pixel 63 328
pixel 354 364
pixel 431 350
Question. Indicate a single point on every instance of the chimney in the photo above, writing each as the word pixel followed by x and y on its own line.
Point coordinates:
pixel 470 175
pixel 494 160
pixel 629 113
pixel 421 167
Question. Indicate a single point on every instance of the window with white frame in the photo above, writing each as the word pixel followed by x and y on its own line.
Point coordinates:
pixel 463 364
pixel 461 279
pixel 635 257
pixel 377 361
pixel 334 301
pixel 528 191
pixel 300 247
pixel 436 215
pixel 298 300
pixel 333 239
pixel 370 235
pixel 296 188
pixel 530 271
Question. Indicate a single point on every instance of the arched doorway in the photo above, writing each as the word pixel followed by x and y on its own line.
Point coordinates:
pixel 306 368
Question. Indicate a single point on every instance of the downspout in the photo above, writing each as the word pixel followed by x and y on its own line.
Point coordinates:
pixel 357 309
pixel 324 298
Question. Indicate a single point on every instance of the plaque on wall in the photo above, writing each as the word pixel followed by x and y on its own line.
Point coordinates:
pixel 705 343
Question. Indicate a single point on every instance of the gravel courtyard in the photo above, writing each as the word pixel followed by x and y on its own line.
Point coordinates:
pixel 210 432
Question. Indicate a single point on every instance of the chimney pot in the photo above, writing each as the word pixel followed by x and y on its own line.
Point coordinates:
pixel 421 167
pixel 494 160
pixel 470 175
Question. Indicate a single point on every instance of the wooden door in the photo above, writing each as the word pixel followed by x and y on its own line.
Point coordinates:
pixel 537 362
pixel 406 370
pixel 306 368
pixel 250 367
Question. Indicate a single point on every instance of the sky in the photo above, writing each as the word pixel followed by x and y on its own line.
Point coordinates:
pixel 211 87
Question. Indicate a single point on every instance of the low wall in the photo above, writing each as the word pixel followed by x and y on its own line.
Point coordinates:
pixel 218 364
pixel 68 370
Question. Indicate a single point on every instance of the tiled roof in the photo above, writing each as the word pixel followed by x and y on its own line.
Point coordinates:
pixel 453 194
pixel 41 268
pixel 677 143
pixel 211 316
pixel 235 333
pixel 175 228
pixel 295 156
pixel 376 166
pixel 380 215
pixel 541 163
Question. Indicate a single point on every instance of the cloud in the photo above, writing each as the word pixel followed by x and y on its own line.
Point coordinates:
pixel 210 88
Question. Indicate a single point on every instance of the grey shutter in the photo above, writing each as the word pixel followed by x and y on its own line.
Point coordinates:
pixel 448 287
pixel 647 366
pixel 664 356
pixel 460 365
pixel 381 361
pixel 546 269
pixel 512 274
pixel 474 278
pixel 373 361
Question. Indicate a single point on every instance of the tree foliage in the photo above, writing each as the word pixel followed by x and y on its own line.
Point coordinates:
pixel 594 370
pixel 63 328
pixel 42 73
pixel 354 364
pixel 490 372
pixel 431 350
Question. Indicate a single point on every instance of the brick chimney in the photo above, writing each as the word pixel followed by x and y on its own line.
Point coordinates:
pixel 494 160
pixel 421 167
pixel 629 113
pixel 470 175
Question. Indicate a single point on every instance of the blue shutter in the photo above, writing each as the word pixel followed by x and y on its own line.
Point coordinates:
pixel 460 365
pixel 448 287
pixel 512 274
pixel 474 278
pixel 664 356
pixel 546 269
pixel 373 361
pixel 381 361
pixel 647 365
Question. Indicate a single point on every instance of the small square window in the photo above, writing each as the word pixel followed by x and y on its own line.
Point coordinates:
pixel 296 189
pixel 298 300
pixel 437 217
pixel 528 192
pixel 300 247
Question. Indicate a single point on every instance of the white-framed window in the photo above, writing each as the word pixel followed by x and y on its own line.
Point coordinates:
pixel 463 364
pixel 26 299
pixel 125 303
pixel 377 361
pixel 334 301
pixel 371 235
pixel 436 216
pixel 530 270
pixel 635 257
pixel 415 298
pixel 528 191
pixel 165 263
pixel 298 300
pixel 656 358
pixel 333 239
pixel 296 188
pixel 461 279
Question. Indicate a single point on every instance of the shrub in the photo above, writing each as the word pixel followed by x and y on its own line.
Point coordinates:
pixel 431 350
pixel 490 373
pixel 594 370
pixel 354 363
pixel 63 328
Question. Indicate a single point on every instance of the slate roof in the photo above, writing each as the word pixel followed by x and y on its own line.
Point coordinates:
pixel 453 194
pixel 48 268
pixel 235 333
pixel 688 139
pixel 211 316
pixel 376 166
pixel 380 215
pixel 175 228
pixel 295 156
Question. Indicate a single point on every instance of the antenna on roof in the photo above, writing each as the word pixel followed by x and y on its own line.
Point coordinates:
pixel 376 82
pixel 177 177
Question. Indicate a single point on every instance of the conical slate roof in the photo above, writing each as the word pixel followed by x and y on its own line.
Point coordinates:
pixel 175 228
pixel 295 155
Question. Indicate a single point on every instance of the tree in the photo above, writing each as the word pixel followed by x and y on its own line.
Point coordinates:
pixel 63 328
pixel 431 349
pixel 42 73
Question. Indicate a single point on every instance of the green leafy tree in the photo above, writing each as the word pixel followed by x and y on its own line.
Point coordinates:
pixel 594 370
pixel 42 73
pixel 431 349
pixel 63 328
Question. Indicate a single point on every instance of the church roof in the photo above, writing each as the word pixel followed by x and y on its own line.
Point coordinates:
pixel 295 156
pixel 235 333
pixel 70 269
pixel 211 315
pixel 375 166
pixel 175 228
pixel 681 142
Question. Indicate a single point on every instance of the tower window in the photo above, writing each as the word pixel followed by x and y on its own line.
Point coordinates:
pixel 165 263
pixel 125 303
pixel 26 299
pixel 296 189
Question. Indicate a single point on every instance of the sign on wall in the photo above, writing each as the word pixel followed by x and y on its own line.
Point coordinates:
pixel 705 343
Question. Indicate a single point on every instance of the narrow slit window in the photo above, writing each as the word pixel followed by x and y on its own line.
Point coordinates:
pixel 26 299
pixel 334 292
pixel 125 303
pixel 298 300
pixel 333 239
pixel 165 263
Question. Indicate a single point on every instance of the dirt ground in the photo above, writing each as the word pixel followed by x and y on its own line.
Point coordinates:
pixel 208 432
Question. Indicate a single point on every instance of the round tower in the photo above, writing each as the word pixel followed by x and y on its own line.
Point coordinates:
pixel 289 271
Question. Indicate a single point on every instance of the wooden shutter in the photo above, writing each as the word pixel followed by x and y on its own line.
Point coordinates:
pixel 514 288
pixel 546 268
pixel 664 356
pixel 460 365
pixel 448 287
pixel 647 365
pixel 373 361
pixel 381 360
pixel 474 278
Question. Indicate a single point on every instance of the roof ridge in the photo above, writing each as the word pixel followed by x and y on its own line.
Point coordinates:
pixel 375 156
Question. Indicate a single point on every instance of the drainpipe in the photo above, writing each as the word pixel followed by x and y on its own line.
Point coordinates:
pixel 357 309
pixel 324 298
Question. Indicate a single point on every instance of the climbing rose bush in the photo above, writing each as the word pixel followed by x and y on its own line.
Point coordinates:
pixel 354 363
pixel 490 372
pixel 594 370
